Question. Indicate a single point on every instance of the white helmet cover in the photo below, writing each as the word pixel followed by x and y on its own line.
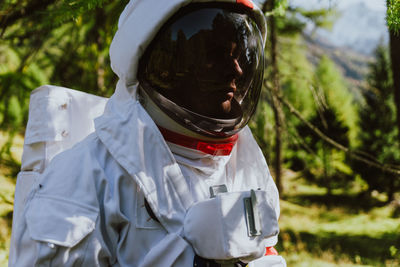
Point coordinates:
pixel 137 29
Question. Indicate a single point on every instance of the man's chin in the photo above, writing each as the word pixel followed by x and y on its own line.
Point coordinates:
pixel 226 106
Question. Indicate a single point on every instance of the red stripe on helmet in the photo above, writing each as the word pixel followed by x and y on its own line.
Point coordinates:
pixel 247 3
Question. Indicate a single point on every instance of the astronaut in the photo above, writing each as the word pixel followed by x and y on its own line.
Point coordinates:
pixel 171 176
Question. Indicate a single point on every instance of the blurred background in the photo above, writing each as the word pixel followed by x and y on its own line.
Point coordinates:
pixel 328 120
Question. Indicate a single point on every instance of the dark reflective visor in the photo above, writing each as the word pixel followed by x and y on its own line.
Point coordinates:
pixel 207 61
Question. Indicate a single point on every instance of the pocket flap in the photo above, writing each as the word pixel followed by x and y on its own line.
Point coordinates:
pixel 59 221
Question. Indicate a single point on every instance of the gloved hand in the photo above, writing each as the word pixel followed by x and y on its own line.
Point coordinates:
pixel 222 228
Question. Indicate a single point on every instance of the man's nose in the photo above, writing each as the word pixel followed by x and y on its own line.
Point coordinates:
pixel 232 68
pixel 237 68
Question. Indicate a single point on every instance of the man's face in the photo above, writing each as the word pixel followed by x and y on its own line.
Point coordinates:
pixel 206 62
pixel 214 81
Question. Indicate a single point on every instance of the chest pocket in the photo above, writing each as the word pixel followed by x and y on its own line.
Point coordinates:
pixel 144 218
pixel 58 221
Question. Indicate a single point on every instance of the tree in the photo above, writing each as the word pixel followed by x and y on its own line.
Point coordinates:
pixel 326 166
pixel 321 163
pixel 393 19
pixel 393 15
pixel 269 6
pixel 284 23
pixel 52 41
pixel 378 134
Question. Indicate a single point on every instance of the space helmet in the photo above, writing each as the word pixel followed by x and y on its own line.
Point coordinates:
pixel 204 68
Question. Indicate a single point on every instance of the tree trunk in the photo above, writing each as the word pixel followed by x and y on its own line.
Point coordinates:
pixel 276 105
pixel 395 65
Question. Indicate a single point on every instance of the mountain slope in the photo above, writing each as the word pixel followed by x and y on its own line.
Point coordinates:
pixel 358 27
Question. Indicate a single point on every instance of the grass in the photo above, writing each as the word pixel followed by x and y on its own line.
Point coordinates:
pixel 338 230
pixel 316 229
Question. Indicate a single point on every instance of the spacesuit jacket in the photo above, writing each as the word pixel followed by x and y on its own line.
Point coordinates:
pixel 88 207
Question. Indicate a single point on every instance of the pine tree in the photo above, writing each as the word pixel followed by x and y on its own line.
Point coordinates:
pixel 283 24
pixel 378 131
pixel 323 164
pixel 52 42
pixel 393 19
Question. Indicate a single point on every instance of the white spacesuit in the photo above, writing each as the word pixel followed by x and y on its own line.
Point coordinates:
pixel 171 175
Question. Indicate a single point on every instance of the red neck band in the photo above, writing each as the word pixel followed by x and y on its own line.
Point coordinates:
pixel 215 148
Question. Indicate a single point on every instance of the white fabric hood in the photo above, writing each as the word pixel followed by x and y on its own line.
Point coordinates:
pixel 139 23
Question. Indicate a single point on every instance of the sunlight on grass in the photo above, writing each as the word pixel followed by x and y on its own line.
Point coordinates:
pixel 319 219
pixel 363 224
pixel 326 259
pixel 336 230
pixel 319 236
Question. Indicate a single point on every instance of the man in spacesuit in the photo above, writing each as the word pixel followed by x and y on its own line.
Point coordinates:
pixel 172 175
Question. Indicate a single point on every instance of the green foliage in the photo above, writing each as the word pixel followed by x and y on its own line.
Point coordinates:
pixel 321 18
pixel 290 24
pixel 378 135
pixel 393 15
pixel 297 75
pixel 16 82
pixel 326 166
pixel 294 20
pixel 49 13
pixel 324 99
pixel 52 42
pixel 72 9
pixel 336 118
pixel 262 126
pixel 59 42
pixel 281 6
pixel 279 9
pixel 321 96
pixel 342 229
pixel 335 94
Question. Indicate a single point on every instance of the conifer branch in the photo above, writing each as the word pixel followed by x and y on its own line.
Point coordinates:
pixel 9 18
pixel 393 15
pixel 371 161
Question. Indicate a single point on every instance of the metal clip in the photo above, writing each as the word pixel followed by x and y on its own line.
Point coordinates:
pixel 217 189
pixel 252 215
